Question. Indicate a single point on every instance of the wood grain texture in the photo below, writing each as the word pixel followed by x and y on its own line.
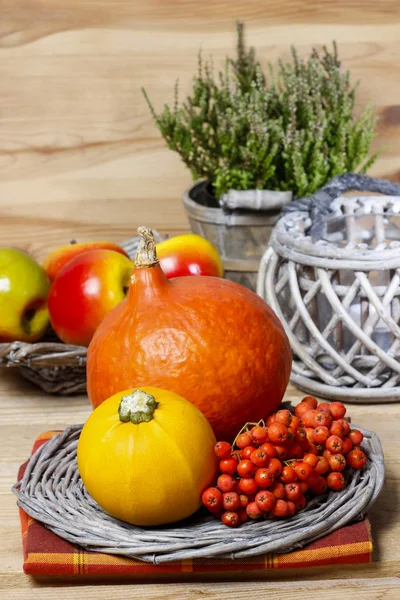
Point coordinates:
pixel 38 412
pixel 78 149
pixel 358 589
pixel 80 158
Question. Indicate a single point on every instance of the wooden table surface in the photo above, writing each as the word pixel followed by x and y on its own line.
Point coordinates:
pixel 25 412
pixel 80 158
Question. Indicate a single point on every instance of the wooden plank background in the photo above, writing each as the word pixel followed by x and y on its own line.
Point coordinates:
pixel 80 158
pixel 79 154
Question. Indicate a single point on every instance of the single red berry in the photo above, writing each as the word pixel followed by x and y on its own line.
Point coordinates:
pixel 301 502
pixel 303 486
pixel 228 465
pixel 324 407
pixel 359 448
pixel 322 418
pixel 247 485
pixel 264 478
pixel 335 481
pixel 212 499
pixel 284 417
pixel 310 459
pixel 310 434
pixel 247 452
pixel 313 482
pixel 321 486
pixel 278 433
pixel 291 435
pixel 337 462
pixel 277 489
pixel 334 444
pixel 288 474
pixel 243 500
pixel 243 440
pixel 347 445
pixel 281 451
pixel 223 450
pixel 242 514
pixel 253 511
pixel 259 435
pixel 337 429
pixel 327 454
pixel 320 434
pixel 312 449
pixel 356 459
pixel 300 409
pixel 292 491
pixel 303 470
pixel 226 483
pixel 280 509
pixel 246 468
pixel 269 449
pixel 295 451
pixel 270 420
pixel 231 519
pixel 259 458
pixel 322 466
pixel 291 508
pixel 346 426
pixel 301 435
pixel 230 501
pixel 356 437
pixel 265 501
pixel 311 401
pixel 295 422
pixel 308 417
pixel 338 410
pixel 275 467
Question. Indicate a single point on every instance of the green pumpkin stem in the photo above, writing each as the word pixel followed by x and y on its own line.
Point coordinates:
pixel 137 407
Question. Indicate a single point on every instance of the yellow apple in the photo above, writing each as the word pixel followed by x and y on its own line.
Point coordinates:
pixel 24 288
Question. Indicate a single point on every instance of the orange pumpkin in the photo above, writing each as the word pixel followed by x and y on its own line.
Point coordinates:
pixel 209 340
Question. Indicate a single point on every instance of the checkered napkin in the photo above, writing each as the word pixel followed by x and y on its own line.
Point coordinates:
pixel 47 554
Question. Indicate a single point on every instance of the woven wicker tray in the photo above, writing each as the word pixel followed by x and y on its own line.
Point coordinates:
pixel 52 492
pixel 56 367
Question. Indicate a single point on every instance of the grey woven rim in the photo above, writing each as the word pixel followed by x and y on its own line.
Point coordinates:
pixel 56 367
pixel 52 492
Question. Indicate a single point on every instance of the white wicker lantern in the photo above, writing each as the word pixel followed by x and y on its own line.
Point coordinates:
pixel 332 275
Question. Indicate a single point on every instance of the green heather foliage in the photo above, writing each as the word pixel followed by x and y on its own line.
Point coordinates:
pixel 294 129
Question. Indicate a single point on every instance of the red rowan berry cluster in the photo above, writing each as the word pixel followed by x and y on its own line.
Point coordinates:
pixel 271 468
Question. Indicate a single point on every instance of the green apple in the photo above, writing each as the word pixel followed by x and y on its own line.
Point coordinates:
pixel 24 288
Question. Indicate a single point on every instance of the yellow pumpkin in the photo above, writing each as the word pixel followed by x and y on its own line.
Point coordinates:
pixel 146 456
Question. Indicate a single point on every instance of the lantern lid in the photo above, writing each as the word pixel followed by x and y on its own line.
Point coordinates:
pixel 359 230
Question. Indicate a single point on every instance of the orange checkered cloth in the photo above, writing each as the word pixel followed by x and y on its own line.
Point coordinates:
pixel 47 554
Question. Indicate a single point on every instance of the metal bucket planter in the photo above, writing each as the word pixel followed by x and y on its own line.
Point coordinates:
pixel 240 229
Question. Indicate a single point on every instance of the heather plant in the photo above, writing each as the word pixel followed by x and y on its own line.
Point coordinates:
pixel 293 128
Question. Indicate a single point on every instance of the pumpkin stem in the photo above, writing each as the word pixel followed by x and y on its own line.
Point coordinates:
pixel 146 254
pixel 137 407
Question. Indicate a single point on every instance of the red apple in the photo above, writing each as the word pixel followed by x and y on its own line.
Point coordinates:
pixel 189 254
pixel 59 257
pixel 84 291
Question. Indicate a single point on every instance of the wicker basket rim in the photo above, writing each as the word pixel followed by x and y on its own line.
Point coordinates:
pixel 52 492
pixel 288 240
